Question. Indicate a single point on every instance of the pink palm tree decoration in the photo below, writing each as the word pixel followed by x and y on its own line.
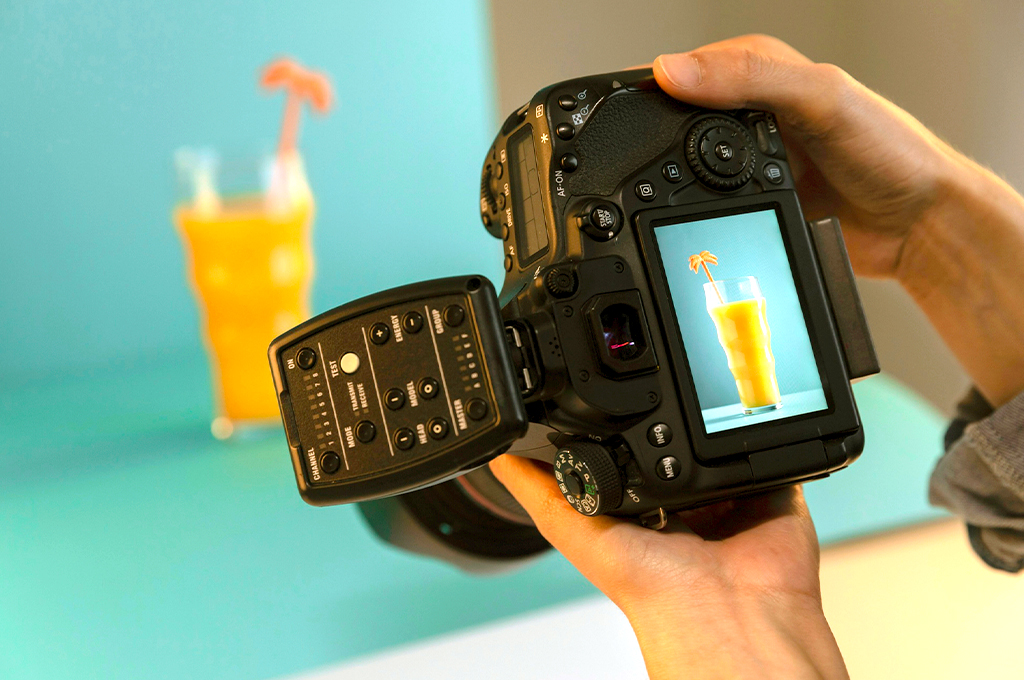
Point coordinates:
pixel 300 84
pixel 702 260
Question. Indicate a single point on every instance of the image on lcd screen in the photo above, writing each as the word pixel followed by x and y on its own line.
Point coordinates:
pixel 741 321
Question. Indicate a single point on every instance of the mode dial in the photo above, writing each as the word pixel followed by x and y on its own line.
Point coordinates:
pixel 588 478
pixel 720 152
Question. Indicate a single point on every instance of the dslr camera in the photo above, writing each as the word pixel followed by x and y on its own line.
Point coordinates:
pixel 670 333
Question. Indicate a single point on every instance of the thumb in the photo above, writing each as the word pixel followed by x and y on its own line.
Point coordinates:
pixel 753 72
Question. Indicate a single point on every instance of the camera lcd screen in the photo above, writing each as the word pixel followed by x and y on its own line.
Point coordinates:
pixel 741 320
pixel 527 207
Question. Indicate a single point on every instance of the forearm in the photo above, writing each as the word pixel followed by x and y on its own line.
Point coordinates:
pixel 762 637
pixel 964 266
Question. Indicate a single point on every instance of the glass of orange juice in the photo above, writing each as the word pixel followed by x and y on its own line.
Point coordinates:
pixel 245 222
pixel 738 310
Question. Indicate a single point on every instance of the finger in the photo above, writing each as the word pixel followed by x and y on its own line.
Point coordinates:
pixel 736 74
pixel 568 531
pixel 602 548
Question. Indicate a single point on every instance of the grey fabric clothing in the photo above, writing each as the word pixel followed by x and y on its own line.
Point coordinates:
pixel 981 478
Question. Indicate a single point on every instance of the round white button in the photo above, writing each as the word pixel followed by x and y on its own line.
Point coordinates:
pixel 350 362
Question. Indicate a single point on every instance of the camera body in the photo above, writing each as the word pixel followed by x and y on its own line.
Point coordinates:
pixel 580 184
pixel 606 353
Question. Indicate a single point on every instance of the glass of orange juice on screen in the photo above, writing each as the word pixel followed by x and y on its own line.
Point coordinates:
pixel 739 312
pixel 246 222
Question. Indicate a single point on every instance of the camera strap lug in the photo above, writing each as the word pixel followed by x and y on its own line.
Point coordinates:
pixel 655 519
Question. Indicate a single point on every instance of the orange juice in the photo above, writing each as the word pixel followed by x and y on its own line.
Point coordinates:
pixel 251 269
pixel 744 334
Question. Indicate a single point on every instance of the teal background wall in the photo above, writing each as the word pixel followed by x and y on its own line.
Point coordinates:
pixel 97 94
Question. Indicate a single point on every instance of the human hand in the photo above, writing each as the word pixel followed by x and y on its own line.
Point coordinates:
pixel 853 154
pixel 911 207
pixel 730 590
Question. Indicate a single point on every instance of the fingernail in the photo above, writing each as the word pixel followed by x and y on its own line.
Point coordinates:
pixel 682 69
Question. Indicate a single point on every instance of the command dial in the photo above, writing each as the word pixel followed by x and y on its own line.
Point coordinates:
pixel 588 478
pixel 720 152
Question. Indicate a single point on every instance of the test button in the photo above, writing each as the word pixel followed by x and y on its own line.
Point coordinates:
pixel 350 362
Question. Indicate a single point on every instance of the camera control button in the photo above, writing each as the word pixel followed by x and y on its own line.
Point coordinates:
pixel 668 468
pixel 499 170
pixel 454 315
pixel 476 408
pixel 565 131
pixel 306 358
pixel 561 282
pixel 567 102
pixel 349 362
pixel 569 162
pixel 330 462
pixel 365 431
pixel 601 221
pixel 394 399
pixel 427 388
pixel 573 484
pixel 379 333
pixel 508 263
pixel 404 438
pixel 672 172
pixel 773 173
pixel 412 322
pixel 501 201
pixel 645 191
pixel 437 428
pixel 659 434
pixel 764 139
pixel 721 153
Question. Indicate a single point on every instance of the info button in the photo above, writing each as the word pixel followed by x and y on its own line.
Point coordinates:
pixel 659 435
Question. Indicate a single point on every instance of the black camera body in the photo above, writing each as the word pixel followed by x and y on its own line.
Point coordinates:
pixel 578 184
pixel 647 388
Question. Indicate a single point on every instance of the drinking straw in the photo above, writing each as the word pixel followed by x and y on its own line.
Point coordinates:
pixel 702 259
pixel 300 84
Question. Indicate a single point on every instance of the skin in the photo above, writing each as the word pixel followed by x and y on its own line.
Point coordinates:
pixel 732 590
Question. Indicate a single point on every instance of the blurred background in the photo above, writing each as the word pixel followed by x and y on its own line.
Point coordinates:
pixel 132 544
